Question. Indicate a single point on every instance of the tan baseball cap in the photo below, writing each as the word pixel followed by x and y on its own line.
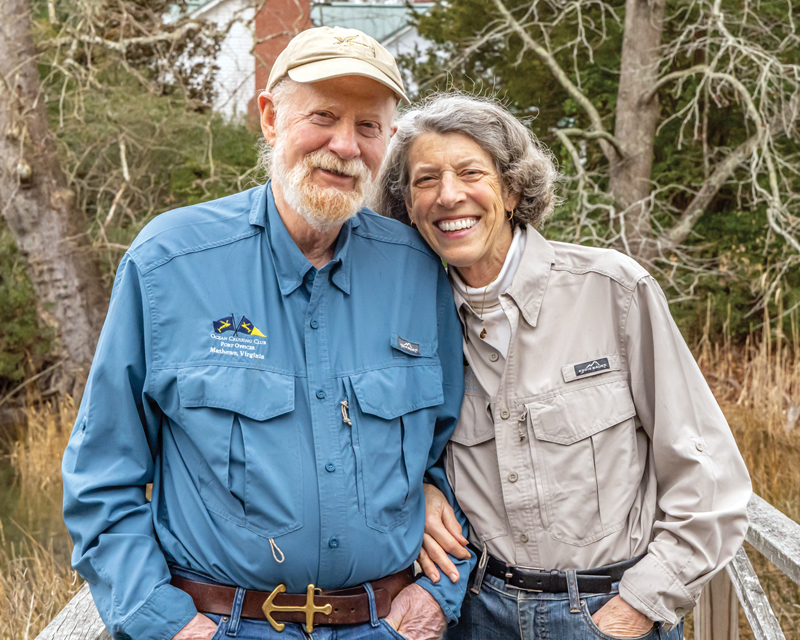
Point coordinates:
pixel 324 52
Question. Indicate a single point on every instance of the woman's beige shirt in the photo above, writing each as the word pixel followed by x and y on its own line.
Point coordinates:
pixel 603 441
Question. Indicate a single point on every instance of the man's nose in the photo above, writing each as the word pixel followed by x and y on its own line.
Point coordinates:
pixel 450 191
pixel 343 141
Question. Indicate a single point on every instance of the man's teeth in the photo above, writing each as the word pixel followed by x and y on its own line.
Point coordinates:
pixel 457 225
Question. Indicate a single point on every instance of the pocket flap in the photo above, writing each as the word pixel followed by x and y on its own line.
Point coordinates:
pixel 573 415
pixel 257 394
pixel 392 392
pixel 475 422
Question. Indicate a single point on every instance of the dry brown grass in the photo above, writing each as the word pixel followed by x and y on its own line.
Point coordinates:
pixel 36 580
pixel 757 385
pixel 758 388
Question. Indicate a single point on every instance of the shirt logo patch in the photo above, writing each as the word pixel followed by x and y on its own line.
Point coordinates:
pixel 408 347
pixel 601 364
pixel 246 342
pixel 228 323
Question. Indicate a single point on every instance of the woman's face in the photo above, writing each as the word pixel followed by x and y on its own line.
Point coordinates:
pixel 458 204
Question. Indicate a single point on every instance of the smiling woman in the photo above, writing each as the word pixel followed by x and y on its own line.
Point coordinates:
pixel 576 381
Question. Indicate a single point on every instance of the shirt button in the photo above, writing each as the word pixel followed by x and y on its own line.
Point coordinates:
pixel 504 414
pixel 330 467
pixel 679 612
pixel 320 394
pixel 513 477
pixel 333 543
pixel 699 446
pixel 523 537
pixel 314 324
pixel 494 357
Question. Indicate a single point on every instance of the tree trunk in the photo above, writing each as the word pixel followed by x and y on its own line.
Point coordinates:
pixel 38 205
pixel 636 121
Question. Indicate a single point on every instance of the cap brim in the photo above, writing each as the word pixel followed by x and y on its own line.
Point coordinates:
pixel 339 67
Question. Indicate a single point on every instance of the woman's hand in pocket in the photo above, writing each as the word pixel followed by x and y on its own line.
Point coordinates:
pixel 619 619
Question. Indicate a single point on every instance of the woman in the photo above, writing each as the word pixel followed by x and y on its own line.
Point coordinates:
pixel 601 482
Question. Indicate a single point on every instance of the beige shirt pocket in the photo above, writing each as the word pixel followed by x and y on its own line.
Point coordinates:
pixel 585 452
pixel 473 472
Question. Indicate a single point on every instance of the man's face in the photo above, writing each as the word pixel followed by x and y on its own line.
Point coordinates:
pixel 328 140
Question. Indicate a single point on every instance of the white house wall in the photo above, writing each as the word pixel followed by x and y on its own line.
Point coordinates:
pixel 236 76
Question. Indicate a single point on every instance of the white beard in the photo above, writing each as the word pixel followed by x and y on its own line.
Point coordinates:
pixel 323 208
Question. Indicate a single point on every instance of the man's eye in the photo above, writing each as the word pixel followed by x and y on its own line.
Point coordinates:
pixel 323 115
pixel 424 181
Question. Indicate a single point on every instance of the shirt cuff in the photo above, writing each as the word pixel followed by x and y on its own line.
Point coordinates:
pixel 654 590
pixel 164 613
pixel 449 594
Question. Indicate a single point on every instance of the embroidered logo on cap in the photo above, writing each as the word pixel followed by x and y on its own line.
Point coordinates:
pixel 408 347
pixel 350 41
pixel 601 364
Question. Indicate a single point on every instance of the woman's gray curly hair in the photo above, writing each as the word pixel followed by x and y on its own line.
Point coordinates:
pixel 525 166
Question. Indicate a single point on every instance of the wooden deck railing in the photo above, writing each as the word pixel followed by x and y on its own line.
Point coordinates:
pixel 770 532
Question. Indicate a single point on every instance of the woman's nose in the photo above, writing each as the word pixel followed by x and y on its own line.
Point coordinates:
pixel 450 192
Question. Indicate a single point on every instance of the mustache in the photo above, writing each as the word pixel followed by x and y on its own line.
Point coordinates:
pixel 322 159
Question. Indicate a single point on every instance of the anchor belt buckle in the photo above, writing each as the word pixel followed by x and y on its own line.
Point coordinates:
pixel 309 608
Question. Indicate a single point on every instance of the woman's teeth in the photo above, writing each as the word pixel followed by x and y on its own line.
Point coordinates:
pixel 457 225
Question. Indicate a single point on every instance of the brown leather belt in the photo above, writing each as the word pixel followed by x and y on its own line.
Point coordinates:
pixel 348 606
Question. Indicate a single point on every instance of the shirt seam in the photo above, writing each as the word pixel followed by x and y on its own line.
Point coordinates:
pixel 630 286
pixel 623 327
pixel 151 325
pixel 151 266
pixel 371 235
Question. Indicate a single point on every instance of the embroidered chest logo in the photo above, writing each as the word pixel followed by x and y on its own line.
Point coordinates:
pixel 601 364
pixel 408 347
pixel 246 341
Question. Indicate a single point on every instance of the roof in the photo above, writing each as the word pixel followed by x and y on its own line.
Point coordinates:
pixel 381 21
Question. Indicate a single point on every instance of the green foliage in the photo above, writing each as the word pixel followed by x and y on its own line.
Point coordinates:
pixel 731 239
pixel 23 341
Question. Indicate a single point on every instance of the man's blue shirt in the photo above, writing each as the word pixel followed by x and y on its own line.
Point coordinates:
pixel 285 415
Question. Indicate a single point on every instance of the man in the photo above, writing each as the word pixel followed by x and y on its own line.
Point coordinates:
pixel 283 367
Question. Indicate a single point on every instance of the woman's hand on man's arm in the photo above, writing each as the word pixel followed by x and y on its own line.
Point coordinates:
pixel 442 536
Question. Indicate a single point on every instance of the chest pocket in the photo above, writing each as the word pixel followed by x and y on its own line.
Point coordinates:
pixel 250 469
pixel 392 415
pixel 473 469
pixel 585 449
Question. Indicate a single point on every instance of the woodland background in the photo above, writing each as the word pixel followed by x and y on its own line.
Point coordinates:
pixel 674 123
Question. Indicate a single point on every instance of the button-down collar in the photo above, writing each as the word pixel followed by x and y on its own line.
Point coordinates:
pixel 291 266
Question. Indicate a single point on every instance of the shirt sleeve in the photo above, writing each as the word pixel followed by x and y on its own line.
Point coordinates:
pixel 702 485
pixel 448 594
pixel 107 464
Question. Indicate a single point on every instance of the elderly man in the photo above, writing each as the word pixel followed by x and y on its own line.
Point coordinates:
pixel 284 367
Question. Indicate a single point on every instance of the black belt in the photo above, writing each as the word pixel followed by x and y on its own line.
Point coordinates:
pixel 597 580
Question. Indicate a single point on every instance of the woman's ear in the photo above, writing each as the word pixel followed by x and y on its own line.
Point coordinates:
pixel 407 200
pixel 510 200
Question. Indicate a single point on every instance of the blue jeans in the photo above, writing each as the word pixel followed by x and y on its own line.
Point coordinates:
pixel 500 612
pixel 234 626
